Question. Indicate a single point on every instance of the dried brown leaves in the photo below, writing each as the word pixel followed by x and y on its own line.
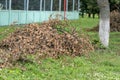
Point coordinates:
pixel 44 40
pixel 115 21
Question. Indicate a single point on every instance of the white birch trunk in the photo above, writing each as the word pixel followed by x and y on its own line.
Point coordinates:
pixel 104 24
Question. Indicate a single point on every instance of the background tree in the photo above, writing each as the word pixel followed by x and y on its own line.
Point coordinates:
pixel 90 7
pixel 114 5
pixel 83 7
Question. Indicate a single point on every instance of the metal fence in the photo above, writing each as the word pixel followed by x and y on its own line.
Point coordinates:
pixel 29 11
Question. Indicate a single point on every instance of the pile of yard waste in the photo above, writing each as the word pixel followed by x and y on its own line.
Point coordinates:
pixel 48 39
pixel 114 22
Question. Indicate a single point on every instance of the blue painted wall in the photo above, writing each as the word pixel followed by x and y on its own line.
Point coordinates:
pixel 24 17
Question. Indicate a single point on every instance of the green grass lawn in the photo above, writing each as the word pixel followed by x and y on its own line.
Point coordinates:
pixel 103 64
pixel 5 30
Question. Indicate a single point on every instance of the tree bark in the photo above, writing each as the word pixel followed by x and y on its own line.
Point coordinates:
pixel 89 15
pixel 104 23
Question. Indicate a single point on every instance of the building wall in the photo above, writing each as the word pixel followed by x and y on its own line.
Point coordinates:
pixel 8 17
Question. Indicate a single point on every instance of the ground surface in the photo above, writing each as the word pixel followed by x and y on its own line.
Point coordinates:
pixel 103 64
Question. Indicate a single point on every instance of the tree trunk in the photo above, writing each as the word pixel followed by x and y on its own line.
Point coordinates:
pixel 82 14
pixel 104 24
pixel 89 15
pixel 93 15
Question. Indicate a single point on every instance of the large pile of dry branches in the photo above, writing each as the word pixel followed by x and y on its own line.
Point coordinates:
pixel 46 39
